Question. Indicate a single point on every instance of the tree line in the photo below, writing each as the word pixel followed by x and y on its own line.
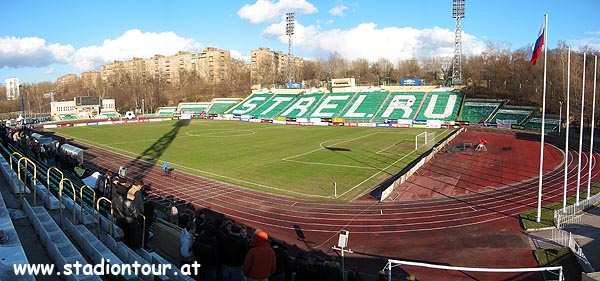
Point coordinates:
pixel 496 73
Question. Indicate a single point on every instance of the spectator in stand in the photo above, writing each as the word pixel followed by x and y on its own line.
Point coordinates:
pixel 244 234
pixel 233 253
pixel 331 270
pixel 133 206
pixel 283 263
pixel 103 185
pixel 184 218
pixel 305 268
pixel 200 221
pixel 173 213
pixel 353 274
pixel 260 263
pixel 206 251
pixel 149 214
pixel 117 204
pixel 186 240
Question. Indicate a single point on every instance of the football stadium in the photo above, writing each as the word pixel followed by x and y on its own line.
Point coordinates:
pixel 383 167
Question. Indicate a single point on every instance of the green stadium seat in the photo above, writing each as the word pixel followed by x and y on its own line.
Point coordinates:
pixel 220 105
pixel 400 105
pixel 364 106
pixel 518 114
pixel 475 111
pixel 441 106
pixel 251 104
pixel 331 105
pixel 275 105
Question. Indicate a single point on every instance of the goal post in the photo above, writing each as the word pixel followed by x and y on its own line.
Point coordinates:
pixel 424 138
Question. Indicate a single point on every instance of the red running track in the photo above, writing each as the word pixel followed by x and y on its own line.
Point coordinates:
pixel 461 210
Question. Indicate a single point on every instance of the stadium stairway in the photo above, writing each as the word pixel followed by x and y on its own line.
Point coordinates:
pixel 11 250
pixel 76 242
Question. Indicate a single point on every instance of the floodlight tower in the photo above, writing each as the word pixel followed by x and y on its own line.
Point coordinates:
pixel 458 12
pixel 289 31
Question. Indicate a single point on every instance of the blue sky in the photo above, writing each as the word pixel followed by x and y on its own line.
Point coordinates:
pixel 42 40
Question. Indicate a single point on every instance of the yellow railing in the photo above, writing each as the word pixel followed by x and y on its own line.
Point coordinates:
pixel 111 215
pixel 143 230
pixel 21 191
pixel 60 189
pixel 81 200
pixel 12 179
pixel 62 176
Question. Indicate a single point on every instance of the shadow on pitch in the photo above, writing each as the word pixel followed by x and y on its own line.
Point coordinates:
pixel 149 157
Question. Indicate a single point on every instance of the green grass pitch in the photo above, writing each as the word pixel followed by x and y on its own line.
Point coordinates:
pixel 297 161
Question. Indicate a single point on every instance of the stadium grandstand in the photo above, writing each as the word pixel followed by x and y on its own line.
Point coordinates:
pixel 552 122
pixel 166 111
pixel 478 111
pixel 220 105
pixel 405 105
pixel 516 115
pixel 192 108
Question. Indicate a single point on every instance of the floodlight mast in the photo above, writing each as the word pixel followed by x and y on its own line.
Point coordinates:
pixel 458 12
pixel 289 31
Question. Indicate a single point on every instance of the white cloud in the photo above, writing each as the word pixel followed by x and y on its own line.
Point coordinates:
pixel 368 41
pixel 32 52
pixel 35 52
pixel 263 11
pixel 238 55
pixel 591 42
pixel 338 11
pixel 133 43
pixel 49 71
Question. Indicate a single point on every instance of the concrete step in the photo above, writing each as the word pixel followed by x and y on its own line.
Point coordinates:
pixel 60 249
pixel 11 251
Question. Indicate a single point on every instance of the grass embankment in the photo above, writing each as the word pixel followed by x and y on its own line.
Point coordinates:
pixel 529 218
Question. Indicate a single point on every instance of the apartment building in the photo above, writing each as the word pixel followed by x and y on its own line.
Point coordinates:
pixel 66 80
pixel 90 79
pixel 12 88
pixel 268 66
pixel 212 64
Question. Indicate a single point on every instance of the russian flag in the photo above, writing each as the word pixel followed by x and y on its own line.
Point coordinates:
pixel 536 49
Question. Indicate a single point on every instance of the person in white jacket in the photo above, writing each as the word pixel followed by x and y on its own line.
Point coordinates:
pixel 187 241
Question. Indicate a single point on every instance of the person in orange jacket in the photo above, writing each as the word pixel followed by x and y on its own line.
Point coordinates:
pixel 260 262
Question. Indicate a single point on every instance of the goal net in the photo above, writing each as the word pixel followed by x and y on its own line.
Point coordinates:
pixel 423 139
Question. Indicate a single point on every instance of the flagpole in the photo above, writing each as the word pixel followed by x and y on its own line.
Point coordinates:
pixel 580 134
pixel 539 212
pixel 567 131
pixel 592 133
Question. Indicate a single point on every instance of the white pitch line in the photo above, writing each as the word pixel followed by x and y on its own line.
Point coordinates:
pixel 374 175
pixel 333 165
pixel 322 147
pixel 386 148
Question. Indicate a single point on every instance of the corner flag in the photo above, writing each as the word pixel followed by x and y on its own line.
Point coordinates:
pixel 536 49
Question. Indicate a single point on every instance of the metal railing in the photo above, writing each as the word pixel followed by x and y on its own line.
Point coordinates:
pixel 62 176
pixel 24 181
pixel 565 238
pixel 60 192
pixel 112 215
pixel 81 213
pixel 568 215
